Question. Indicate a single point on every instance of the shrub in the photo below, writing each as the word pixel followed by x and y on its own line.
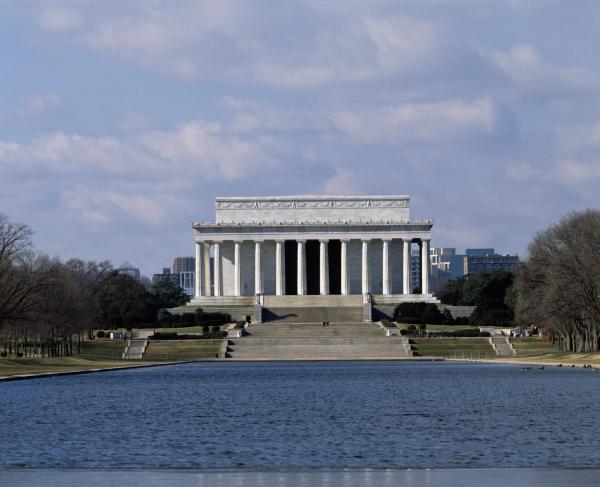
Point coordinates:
pixel 188 319
pixel 206 318
pixel 164 318
pixel 216 328
pixel 176 336
pixel 497 316
pixel 418 313
pixel 205 329
pixel 218 335
pixel 465 333
pixel 100 334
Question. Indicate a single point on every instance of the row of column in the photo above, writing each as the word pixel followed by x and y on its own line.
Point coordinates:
pixel 204 288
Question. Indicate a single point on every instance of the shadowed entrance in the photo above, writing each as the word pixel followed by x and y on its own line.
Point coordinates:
pixel 335 264
pixel 312 267
pixel 291 267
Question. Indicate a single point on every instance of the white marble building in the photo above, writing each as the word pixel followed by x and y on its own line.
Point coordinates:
pixel 310 245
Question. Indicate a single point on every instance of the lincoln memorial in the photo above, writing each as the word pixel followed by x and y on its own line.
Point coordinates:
pixel 278 246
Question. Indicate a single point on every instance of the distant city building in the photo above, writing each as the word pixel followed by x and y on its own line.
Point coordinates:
pixel 185 268
pixel 474 264
pixel 182 274
pixel 479 252
pixel 415 270
pixel 184 264
pixel 446 264
pixel 128 269
pixel 166 276
pixel 186 281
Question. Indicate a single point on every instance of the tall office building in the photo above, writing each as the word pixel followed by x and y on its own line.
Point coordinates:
pixel 183 264
pixel 127 268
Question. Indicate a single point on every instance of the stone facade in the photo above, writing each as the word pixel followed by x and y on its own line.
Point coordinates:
pixel 297 245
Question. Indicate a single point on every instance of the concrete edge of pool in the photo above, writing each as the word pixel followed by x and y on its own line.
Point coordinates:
pixel 454 477
pixel 42 375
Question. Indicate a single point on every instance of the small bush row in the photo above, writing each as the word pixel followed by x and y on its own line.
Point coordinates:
pixel 199 317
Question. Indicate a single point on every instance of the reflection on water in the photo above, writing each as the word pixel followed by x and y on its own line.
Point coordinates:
pixel 304 416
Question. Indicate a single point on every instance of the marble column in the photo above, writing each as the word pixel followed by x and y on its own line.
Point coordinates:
pixel 207 280
pixel 217 268
pixel 301 268
pixel 237 269
pixel 198 271
pixel 258 282
pixel 386 285
pixel 280 267
pixel 424 266
pixel 406 266
pixel 344 267
pixel 323 267
pixel 366 277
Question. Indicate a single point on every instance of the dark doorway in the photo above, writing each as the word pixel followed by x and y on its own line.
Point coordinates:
pixel 335 262
pixel 291 267
pixel 312 267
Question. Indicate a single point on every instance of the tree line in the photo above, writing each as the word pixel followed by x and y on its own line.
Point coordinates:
pixel 556 289
pixel 492 293
pixel 48 307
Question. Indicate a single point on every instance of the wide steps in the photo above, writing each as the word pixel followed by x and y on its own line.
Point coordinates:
pixel 315 342
pixel 313 314
pixel 309 341
pixel 305 349
pixel 501 346
pixel 278 329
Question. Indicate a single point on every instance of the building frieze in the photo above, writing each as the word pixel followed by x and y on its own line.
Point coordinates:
pixel 307 203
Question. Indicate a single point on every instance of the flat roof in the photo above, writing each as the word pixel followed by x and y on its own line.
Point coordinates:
pixel 311 197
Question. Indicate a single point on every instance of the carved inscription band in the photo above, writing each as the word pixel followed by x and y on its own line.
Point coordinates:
pixel 312 204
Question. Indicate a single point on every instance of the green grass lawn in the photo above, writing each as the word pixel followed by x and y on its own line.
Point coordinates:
pixel 103 348
pixel 453 347
pixel 182 330
pixel 533 346
pixel 60 364
pixel 441 327
pixel 182 349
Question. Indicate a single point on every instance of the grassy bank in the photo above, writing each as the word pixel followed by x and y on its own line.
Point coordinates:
pixel 22 366
pixel 533 346
pixel 469 348
pixel 434 328
pixel 182 349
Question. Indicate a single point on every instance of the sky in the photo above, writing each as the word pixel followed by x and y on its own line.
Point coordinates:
pixel 120 121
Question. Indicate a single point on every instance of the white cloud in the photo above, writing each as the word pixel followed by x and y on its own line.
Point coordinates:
pixel 195 147
pixel 60 19
pixel 573 172
pixel 344 182
pixel 154 30
pixel 401 41
pixel 38 104
pixel 524 65
pixel 108 171
pixel 417 122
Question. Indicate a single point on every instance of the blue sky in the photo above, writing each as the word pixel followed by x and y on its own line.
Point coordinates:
pixel 120 121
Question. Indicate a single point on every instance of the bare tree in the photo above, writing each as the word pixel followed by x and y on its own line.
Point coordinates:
pixel 18 268
pixel 558 288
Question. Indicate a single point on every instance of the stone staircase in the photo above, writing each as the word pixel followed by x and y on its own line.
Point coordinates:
pixel 502 346
pixel 296 314
pixel 135 348
pixel 313 341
